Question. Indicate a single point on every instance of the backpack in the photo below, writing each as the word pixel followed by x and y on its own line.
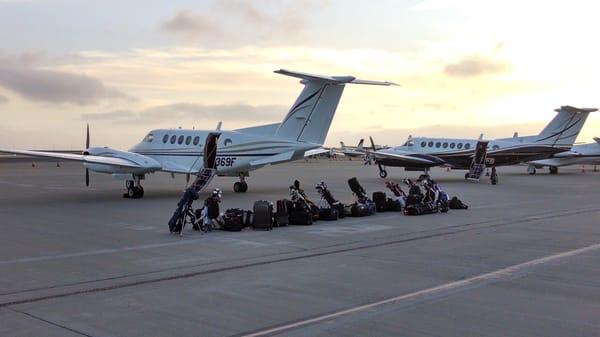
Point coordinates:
pixel 455 203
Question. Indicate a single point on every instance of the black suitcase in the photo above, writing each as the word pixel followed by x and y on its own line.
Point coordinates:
pixel 414 209
pixel 262 215
pixel 282 213
pixel 341 210
pixel 328 214
pixel 380 200
pixel 301 217
pixel 358 210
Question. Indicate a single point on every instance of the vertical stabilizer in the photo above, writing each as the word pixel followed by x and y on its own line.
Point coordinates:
pixel 311 114
pixel 564 128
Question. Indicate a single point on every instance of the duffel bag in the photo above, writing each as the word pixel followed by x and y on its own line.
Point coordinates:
pixel 328 214
pixel 358 210
pixel 392 205
pixel 414 209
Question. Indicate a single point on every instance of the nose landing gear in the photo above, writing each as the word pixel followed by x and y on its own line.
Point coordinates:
pixel 382 171
pixel 134 188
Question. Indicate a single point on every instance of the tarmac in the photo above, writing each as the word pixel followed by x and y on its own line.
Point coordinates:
pixel 523 260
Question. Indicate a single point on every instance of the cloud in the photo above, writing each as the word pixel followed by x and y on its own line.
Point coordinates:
pixel 192 112
pixel 54 86
pixel 475 65
pixel 3 99
pixel 238 22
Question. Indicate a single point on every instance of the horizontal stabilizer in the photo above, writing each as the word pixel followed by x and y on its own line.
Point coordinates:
pixel 330 79
pixel 597 139
pixel 278 158
pixel 573 109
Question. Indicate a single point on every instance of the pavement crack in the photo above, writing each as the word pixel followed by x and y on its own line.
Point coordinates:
pixel 64 327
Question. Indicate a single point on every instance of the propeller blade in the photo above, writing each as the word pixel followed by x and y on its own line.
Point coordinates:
pixel 87 177
pixel 87 137
pixel 372 143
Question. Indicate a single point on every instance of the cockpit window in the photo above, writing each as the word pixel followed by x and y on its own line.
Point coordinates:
pixel 409 143
pixel 149 138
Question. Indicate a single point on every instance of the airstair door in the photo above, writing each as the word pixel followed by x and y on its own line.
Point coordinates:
pixel 478 164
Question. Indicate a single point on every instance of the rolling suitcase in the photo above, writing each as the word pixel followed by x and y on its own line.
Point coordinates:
pixel 328 214
pixel 233 220
pixel 380 200
pixel 282 213
pixel 262 215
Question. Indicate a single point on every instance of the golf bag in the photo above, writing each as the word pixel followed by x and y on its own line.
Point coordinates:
pixel 361 199
pixel 332 203
pixel 177 221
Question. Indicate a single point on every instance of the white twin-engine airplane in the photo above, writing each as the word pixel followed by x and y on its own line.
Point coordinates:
pixel 303 129
pixel 580 154
pixel 420 153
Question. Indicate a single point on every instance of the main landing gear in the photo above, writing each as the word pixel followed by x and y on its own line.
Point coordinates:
pixel 134 188
pixel 382 171
pixel 241 186
pixel 494 176
pixel 553 169
pixel 531 169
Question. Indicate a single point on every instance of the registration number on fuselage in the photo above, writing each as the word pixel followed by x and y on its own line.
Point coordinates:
pixel 225 161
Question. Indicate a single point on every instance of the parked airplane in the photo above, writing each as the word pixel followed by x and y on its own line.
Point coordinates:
pixel 239 151
pixel 358 151
pixel 580 154
pixel 419 153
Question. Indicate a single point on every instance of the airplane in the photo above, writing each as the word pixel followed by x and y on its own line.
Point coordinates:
pixel 420 153
pixel 580 154
pixel 240 151
pixel 356 152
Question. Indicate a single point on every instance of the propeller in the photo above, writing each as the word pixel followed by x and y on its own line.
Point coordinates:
pixel 87 146
pixel 369 156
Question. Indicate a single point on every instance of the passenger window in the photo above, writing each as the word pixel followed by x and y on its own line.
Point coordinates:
pixel 188 140
pixel 445 145
pixel 459 146
pixel 452 145
pixel 438 144
pixel 180 140
pixel 430 144
pixel 196 140
pixel 467 146
pixel 423 144
pixel 165 138
pixel 173 139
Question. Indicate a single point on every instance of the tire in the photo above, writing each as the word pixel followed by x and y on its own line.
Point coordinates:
pixel 553 170
pixel 237 187
pixel 244 187
pixel 131 193
pixel 466 175
pixel 383 174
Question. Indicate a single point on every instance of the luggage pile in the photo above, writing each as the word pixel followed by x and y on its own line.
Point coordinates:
pixel 424 196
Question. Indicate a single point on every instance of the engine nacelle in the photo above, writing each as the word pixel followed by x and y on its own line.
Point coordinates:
pixel 146 164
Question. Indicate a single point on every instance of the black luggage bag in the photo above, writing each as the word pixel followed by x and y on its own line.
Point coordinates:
pixel 328 214
pixel 380 200
pixel 262 215
pixel 456 203
pixel 301 217
pixel 414 209
pixel 355 186
pixel 282 213
pixel 233 220
pixel 392 205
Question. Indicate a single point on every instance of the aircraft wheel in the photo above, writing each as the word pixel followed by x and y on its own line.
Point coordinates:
pixel 244 187
pixel 140 192
pixel 531 170
pixel 553 170
pixel 466 175
pixel 383 174
pixel 237 187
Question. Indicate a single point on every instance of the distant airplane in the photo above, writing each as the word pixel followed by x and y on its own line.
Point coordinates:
pixel 302 132
pixel 358 151
pixel 419 153
pixel 580 154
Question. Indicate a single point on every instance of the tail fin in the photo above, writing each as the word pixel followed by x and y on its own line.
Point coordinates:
pixel 310 117
pixel 343 146
pixel 359 147
pixel 564 128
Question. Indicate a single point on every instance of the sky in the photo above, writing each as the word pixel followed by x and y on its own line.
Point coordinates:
pixel 125 67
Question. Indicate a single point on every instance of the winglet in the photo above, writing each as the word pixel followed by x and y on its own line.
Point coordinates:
pixel 597 139
pixel 331 79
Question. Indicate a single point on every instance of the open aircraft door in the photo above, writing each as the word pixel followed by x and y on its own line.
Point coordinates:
pixel 209 169
pixel 479 159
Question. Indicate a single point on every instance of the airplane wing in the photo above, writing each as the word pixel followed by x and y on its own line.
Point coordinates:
pixel 408 157
pixel 315 152
pixel 278 158
pixel 76 157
